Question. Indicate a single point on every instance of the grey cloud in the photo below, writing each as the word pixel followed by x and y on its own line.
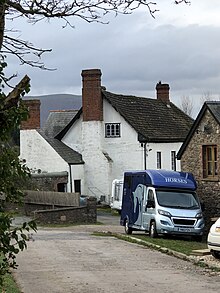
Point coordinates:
pixel 133 54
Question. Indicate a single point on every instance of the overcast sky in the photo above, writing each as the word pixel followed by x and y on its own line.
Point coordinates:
pixel 181 46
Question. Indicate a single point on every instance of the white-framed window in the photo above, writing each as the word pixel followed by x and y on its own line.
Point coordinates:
pixel 158 160
pixel 173 160
pixel 112 130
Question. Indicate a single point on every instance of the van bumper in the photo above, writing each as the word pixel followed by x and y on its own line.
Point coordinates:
pixel 182 230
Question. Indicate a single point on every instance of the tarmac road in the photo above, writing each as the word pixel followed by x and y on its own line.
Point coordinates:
pixel 67 260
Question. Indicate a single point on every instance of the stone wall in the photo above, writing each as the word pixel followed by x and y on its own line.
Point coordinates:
pixel 46 181
pixel 191 161
pixel 60 215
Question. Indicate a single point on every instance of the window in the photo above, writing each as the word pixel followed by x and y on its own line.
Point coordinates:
pixel 112 130
pixel 150 195
pixel 158 160
pixel 118 190
pixel 209 157
pixel 173 160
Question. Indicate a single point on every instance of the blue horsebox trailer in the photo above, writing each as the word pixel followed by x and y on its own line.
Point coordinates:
pixel 161 202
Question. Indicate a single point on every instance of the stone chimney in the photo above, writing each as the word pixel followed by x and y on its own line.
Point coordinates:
pixel 163 92
pixel 33 122
pixel 92 102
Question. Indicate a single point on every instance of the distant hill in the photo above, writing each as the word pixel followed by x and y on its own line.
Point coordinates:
pixel 56 102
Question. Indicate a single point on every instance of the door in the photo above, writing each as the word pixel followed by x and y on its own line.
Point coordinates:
pixel 77 186
pixel 149 209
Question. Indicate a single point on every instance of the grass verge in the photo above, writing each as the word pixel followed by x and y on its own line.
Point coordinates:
pixel 183 246
pixel 10 285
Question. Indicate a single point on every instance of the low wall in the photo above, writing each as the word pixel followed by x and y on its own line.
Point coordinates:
pixel 48 214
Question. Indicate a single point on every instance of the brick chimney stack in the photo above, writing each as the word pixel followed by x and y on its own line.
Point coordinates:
pixel 33 122
pixel 163 92
pixel 92 102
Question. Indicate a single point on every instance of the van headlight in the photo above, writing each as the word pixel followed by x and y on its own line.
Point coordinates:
pixel 164 213
pixel 199 215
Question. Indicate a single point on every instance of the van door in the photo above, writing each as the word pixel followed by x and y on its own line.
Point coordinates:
pixel 149 208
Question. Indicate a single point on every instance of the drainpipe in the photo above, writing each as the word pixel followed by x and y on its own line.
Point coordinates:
pixel 146 151
pixel 70 175
pixel 145 156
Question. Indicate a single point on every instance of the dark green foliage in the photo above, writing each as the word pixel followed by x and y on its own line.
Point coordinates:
pixel 13 174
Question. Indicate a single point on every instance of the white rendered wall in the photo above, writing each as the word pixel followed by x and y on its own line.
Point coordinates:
pixel 77 173
pixel 96 165
pixel 125 152
pixel 165 149
pixel 73 138
pixel 39 154
pixel 128 154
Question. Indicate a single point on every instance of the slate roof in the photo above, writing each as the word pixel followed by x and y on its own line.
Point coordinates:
pixel 61 134
pixel 57 120
pixel 154 120
pixel 214 108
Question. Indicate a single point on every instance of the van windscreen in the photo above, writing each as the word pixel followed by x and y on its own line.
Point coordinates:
pixel 177 199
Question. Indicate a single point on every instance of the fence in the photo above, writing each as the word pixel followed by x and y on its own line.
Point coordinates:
pixel 59 207
pixel 52 198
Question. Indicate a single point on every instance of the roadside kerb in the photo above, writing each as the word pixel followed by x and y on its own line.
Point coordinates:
pixel 197 260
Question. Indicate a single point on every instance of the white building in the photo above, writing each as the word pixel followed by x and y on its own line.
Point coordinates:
pixel 111 133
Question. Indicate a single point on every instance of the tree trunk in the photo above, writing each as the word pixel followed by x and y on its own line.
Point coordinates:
pixel 2 21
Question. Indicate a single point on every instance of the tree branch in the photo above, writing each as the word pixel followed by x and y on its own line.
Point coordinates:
pixel 13 97
pixel 21 49
pixel 88 10
pixel 182 1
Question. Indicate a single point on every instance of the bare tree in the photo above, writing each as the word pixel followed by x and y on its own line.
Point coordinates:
pixel 208 96
pixel 187 105
pixel 66 10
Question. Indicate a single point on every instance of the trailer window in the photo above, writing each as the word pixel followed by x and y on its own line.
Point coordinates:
pixel 118 188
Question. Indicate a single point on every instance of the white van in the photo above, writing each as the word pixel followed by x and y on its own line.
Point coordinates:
pixel 161 202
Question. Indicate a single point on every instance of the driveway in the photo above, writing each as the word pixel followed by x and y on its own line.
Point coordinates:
pixel 70 259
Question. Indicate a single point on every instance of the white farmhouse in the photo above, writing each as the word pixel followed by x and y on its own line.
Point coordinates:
pixel 111 133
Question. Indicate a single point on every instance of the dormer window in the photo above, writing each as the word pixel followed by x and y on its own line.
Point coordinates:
pixel 112 130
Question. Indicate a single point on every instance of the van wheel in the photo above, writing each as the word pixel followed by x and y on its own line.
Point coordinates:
pixel 128 229
pixel 216 254
pixel 153 230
